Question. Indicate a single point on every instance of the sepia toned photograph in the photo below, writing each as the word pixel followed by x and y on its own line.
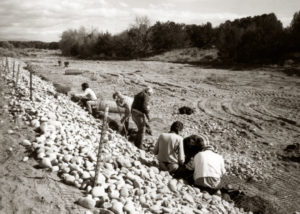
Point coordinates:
pixel 141 107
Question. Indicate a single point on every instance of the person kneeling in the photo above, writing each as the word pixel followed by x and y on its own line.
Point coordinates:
pixel 208 169
pixel 88 98
pixel 169 148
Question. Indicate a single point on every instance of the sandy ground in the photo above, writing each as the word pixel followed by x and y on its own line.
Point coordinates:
pixel 25 189
pixel 249 116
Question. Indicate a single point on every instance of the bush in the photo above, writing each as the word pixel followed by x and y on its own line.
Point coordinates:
pixel 6 44
pixel 9 53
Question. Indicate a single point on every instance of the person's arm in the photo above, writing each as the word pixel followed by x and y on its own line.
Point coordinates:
pixel 223 170
pixel 190 165
pixel 181 157
pixel 146 105
pixel 127 112
pixel 155 150
pixel 84 94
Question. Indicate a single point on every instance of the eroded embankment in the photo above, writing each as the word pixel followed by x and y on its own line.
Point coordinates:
pixel 129 181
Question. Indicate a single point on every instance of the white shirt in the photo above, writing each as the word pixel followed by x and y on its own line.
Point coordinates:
pixel 89 94
pixel 208 164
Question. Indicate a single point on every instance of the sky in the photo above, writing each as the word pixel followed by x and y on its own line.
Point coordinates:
pixel 45 20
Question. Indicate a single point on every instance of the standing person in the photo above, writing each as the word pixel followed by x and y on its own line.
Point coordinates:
pixel 140 112
pixel 126 103
pixel 169 148
pixel 208 169
pixel 88 97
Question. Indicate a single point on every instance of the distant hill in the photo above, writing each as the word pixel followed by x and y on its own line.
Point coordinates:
pixel 188 55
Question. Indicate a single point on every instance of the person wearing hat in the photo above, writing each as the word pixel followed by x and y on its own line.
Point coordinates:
pixel 140 114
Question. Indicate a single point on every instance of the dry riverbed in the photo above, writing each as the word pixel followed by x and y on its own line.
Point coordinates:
pixel 249 116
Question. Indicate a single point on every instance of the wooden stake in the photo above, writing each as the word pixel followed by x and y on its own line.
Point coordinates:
pixel 17 76
pixel 103 134
pixel 2 66
pixel 13 69
pixel 30 85
pixel 7 65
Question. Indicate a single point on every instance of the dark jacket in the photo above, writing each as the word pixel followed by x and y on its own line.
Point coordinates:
pixel 141 103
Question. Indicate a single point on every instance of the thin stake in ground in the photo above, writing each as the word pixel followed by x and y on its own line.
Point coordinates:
pixel 17 77
pixel 30 85
pixel 103 134
pixel 13 70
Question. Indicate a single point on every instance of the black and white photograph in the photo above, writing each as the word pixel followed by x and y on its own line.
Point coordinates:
pixel 141 107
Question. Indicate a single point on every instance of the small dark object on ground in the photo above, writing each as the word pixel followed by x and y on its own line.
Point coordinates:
pixel 292 147
pixel 186 110
pixel 59 63
pixel 291 153
pixel 66 64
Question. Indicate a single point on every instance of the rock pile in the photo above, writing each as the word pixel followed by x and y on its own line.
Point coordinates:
pixel 130 181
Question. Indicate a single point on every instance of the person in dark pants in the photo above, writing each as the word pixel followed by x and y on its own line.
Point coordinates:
pixel 140 114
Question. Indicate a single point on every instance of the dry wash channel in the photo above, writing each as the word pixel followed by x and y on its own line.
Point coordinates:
pixel 129 181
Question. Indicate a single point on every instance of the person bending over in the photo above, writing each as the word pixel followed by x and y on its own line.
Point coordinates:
pixel 140 112
pixel 208 168
pixel 192 145
pixel 124 102
pixel 88 98
pixel 169 148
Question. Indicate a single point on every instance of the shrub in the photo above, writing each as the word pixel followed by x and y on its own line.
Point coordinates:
pixel 6 44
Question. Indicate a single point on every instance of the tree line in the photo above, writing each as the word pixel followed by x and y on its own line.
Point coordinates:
pixel 257 39
pixel 29 44
pixel 139 40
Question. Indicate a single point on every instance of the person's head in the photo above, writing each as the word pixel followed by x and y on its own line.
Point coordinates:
pixel 84 86
pixel 149 90
pixel 176 127
pixel 209 147
pixel 117 95
pixel 192 145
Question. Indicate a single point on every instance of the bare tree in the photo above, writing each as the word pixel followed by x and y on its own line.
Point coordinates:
pixel 139 34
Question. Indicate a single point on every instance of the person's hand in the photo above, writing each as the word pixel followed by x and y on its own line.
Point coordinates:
pixel 149 131
pixel 123 120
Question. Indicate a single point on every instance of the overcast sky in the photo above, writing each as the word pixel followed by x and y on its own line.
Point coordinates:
pixel 45 20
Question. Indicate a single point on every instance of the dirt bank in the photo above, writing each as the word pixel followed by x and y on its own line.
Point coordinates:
pixel 23 188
